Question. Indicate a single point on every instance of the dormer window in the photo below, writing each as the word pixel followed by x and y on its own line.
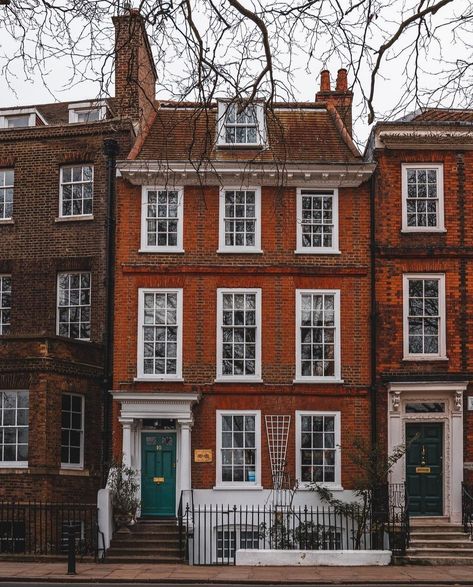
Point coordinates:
pixel 86 112
pixel 241 127
pixel 20 118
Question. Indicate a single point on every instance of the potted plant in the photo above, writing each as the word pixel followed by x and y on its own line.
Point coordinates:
pixel 123 484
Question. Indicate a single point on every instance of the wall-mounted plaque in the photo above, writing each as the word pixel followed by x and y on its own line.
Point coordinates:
pixel 203 455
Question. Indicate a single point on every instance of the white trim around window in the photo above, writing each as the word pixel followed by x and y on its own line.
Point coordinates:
pixel 424 318
pixel 421 202
pixel 251 124
pixel 317 222
pixel 256 484
pixel 14 418
pixel 162 223
pixel 72 434
pixel 317 445
pixel 250 219
pixel 76 191
pixel 248 351
pixel 161 321
pixel 322 343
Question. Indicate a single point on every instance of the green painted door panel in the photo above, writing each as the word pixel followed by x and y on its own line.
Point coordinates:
pixel 424 452
pixel 158 474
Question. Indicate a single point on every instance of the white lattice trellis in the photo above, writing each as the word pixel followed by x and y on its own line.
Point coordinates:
pixel 277 431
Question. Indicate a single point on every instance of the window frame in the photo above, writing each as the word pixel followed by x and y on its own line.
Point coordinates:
pixel 144 247
pixel 32 113
pixel 222 107
pixel 219 484
pixel 318 191
pixel 440 197
pixel 258 309
pixel 73 216
pixel 18 464
pixel 75 109
pixel 141 375
pixel 80 272
pixel 337 377
pixel 3 188
pixel 79 465
pixel 222 247
pixel 442 354
pixel 2 308
pixel 337 483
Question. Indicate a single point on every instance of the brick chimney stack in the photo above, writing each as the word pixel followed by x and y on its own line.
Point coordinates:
pixel 135 72
pixel 341 97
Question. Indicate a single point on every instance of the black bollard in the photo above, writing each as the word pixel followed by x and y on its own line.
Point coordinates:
pixel 71 550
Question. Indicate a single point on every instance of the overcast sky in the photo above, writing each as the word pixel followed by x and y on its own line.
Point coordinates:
pixel 43 89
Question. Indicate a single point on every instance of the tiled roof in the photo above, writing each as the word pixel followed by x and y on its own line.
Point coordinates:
pixel 296 132
pixel 442 115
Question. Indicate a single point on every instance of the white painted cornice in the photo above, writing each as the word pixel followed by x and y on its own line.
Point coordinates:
pixel 427 137
pixel 413 386
pixel 245 173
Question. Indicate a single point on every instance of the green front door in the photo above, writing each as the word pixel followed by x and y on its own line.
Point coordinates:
pixel 424 469
pixel 158 474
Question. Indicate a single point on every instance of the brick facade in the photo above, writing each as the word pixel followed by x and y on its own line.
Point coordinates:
pixel 399 253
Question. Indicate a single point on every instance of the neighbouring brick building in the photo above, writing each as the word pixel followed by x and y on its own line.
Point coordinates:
pixel 242 301
pixel 423 278
pixel 56 161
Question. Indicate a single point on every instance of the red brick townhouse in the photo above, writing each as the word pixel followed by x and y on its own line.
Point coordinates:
pixel 242 301
pixel 424 271
pixel 56 161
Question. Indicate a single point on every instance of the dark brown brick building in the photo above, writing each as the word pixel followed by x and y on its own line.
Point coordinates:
pixel 56 161
pixel 424 243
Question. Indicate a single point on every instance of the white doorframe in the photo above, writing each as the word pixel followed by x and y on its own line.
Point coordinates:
pixel 451 395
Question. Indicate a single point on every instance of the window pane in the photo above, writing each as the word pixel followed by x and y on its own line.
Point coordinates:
pixel 13 426
pixel 76 190
pixel 74 305
pixel 423 323
pixel 238 452
pixel 318 448
pixel 72 434
pixel 317 222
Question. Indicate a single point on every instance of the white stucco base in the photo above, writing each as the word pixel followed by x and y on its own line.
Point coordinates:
pixel 314 558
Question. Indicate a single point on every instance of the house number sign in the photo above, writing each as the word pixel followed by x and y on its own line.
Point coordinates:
pixel 203 455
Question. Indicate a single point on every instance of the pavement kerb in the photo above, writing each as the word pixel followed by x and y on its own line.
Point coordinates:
pixel 202 581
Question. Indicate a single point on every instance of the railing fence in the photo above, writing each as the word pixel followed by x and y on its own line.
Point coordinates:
pixel 38 528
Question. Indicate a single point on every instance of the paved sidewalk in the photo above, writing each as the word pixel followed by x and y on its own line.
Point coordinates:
pixel 91 572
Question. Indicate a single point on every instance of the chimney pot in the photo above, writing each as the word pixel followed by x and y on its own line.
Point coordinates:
pixel 325 81
pixel 342 81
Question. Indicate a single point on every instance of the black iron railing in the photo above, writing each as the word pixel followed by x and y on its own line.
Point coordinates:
pixel 467 509
pixel 398 518
pixel 213 534
pixel 37 528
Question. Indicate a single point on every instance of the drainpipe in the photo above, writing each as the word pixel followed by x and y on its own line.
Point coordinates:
pixel 373 390
pixel 110 150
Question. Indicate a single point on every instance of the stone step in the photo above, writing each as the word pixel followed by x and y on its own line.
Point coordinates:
pixel 434 560
pixel 448 544
pixel 439 529
pixel 143 540
pixel 433 520
pixel 142 551
pixel 442 536
pixel 460 552
pixel 138 559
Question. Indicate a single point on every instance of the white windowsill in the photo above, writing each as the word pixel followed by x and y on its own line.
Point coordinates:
pixel 7 221
pixel 163 379
pixel 423 230
pixel 320 380
pixel 424 358
pixel 238 380
pixel 74 471
pixel 317 252
pixel 237 487
pixel 14 465
pixel 168 251
pixel 74 218
pixel 240 251
pixel 329 486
